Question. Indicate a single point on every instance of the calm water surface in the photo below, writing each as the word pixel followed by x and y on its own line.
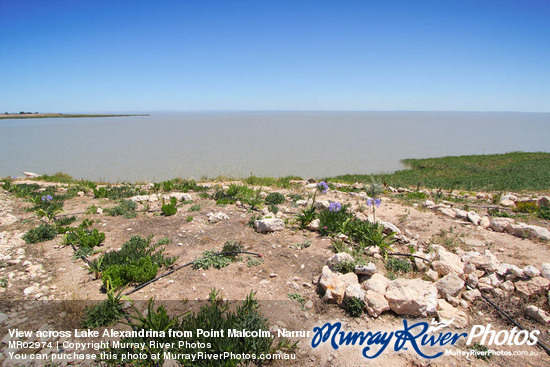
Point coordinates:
pixel 316 144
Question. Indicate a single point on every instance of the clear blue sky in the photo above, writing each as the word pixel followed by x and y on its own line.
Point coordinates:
pixel 91 56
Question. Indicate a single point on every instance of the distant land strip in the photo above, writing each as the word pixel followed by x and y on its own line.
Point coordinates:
pixel 59 115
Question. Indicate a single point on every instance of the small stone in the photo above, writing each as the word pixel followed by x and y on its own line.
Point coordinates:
pixel 537 314
pixel 432 275
pixel 375 303
pixel 314 225
pixel 269 225
pixel 531 271
pixel 377 283
pixel 368 269
pixel 339 258
pixel 446 313
pixel 532 286
pixel 450 286
pixel 412 297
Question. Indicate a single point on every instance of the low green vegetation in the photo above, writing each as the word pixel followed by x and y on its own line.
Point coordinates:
pixel 126 209
pixel 168 210
pixel 178 184
pixel 42 233
pixel 214 315
pixel 274 198
pixel 106 313
pixel 117 192
pixel 353 306
pixel 254 261
pixel 282 182
pixel 398 265
pixel 218 260
pixel 194 208
pixel 295 296
pixel 497 172
pixel 345 266
pixel 136 262
pixel 234 193
pixel 56 115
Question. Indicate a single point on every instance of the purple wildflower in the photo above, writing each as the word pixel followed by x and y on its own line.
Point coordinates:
pixel 376 202
pixel 334 207
pixel 323 187
pixel 47 198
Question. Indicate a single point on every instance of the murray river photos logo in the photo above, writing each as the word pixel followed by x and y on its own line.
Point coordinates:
pixel 418 336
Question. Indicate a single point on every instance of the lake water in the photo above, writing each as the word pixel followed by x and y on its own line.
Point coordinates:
pixel 307 144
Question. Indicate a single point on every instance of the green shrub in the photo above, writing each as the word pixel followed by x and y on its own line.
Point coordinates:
pixel 526 207
pixel 65 221
pixel 134 249
pixel 232 246
pixel 398 265
pixel 214 315
pixel 498 213
pixel 301 246
pixel 92 209
pixel 273 209
pixel 544 212
pixel 210 259
pixel 416 195
pixel 105 313
pixel 495 199
pixel 164 241
pixel 168 210
pixel 141 271
pixel 295 197
pixel 42 233
pixel 274 198
pixel 339 246
pixel 306 217
pixel 367 234
pixel 345 266
pixel 137 272
pixel 194 208
pixel 126 208
pixel 136 262
pixel 84 238
pixel 334 222
pixel 354 306
pixel 189 218
pixel 254 261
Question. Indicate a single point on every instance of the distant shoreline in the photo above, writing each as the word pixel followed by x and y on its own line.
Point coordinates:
pixel 3 116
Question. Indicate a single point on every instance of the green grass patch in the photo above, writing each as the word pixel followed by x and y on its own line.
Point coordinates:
pixel 136 262
pixel 496 172
pixel 126 208
pixel 42 233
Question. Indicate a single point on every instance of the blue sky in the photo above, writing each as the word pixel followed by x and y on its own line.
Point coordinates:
pixel 103 56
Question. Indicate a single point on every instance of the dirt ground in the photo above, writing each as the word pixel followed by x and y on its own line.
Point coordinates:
pixel 60 284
